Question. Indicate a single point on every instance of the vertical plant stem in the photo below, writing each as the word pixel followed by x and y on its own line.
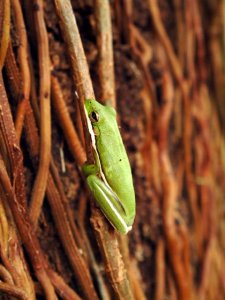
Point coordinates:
pixel 105 60
pixel 39 188
pixel 66 122
pixel 24 67
pixel 11 290
pixel 114 265
pixel 80 71
pixel 160 271
pixel 4 29
pixel 177 249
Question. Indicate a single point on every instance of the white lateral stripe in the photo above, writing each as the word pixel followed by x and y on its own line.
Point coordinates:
pixel 93 140
pixel 115 211
pixel 91 131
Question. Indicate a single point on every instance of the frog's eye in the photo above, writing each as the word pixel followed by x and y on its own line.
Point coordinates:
pixel 94 116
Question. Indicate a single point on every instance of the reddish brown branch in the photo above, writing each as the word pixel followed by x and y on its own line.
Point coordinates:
pixel 64 291
pixel 66 122
pixel 176 247
pixel 114 265
pixel 187 120
pixel 39 188
pixel 57 200
pixel 80 71
pixel 160 271
pixel 13 74
pixel 24 67
pixel 27 234
pixel 105 57
pixel 4 30
pixel 12 290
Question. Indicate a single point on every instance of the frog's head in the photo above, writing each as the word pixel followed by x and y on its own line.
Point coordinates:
pixel 98 113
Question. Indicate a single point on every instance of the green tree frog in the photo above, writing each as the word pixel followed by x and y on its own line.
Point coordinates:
pixel 110 178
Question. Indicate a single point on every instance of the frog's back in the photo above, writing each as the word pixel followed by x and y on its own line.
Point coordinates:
pixel 116 166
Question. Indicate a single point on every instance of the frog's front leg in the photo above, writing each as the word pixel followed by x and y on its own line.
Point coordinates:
pixel 106 199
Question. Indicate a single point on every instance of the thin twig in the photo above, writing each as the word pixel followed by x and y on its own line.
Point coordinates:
pixel 61 287
pixel 176 247
pixel 184 87
pixel 160 271
pixel 80 71
pixel 105 57
pixel 39 188
pixel 4 30
pixel 24 67
pixel 12 290
pixel 13 74
pixel 66 122
pixel 57 200
pixel 27 234
pixel 133 272
pixel 16 192
pixel 5 275
pixel 114 265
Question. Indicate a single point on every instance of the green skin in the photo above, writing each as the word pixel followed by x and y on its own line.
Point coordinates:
pixel 110 179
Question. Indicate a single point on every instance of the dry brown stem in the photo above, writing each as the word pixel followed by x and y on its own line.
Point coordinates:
pixel 66 123
pixel 61 287
pixel 13 74
pixel 57 202
pixel 133 272
pixel 10 149
pixel 73 253
pixel 176 247
pixel 105 55
pixel 24 67
pixel 5 275
pixel 160 271
pixel 27 234
pixel 187 122
pixel 103 290
pixel 80 71
pixel 39 188
pixel 217 58
pixel 155 13
pixel 11 153
pixel 114 266
pixel 4 30
pixel 11 290
pixel 14 269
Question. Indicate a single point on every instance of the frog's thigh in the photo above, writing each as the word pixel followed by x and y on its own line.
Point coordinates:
pixel 109 206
